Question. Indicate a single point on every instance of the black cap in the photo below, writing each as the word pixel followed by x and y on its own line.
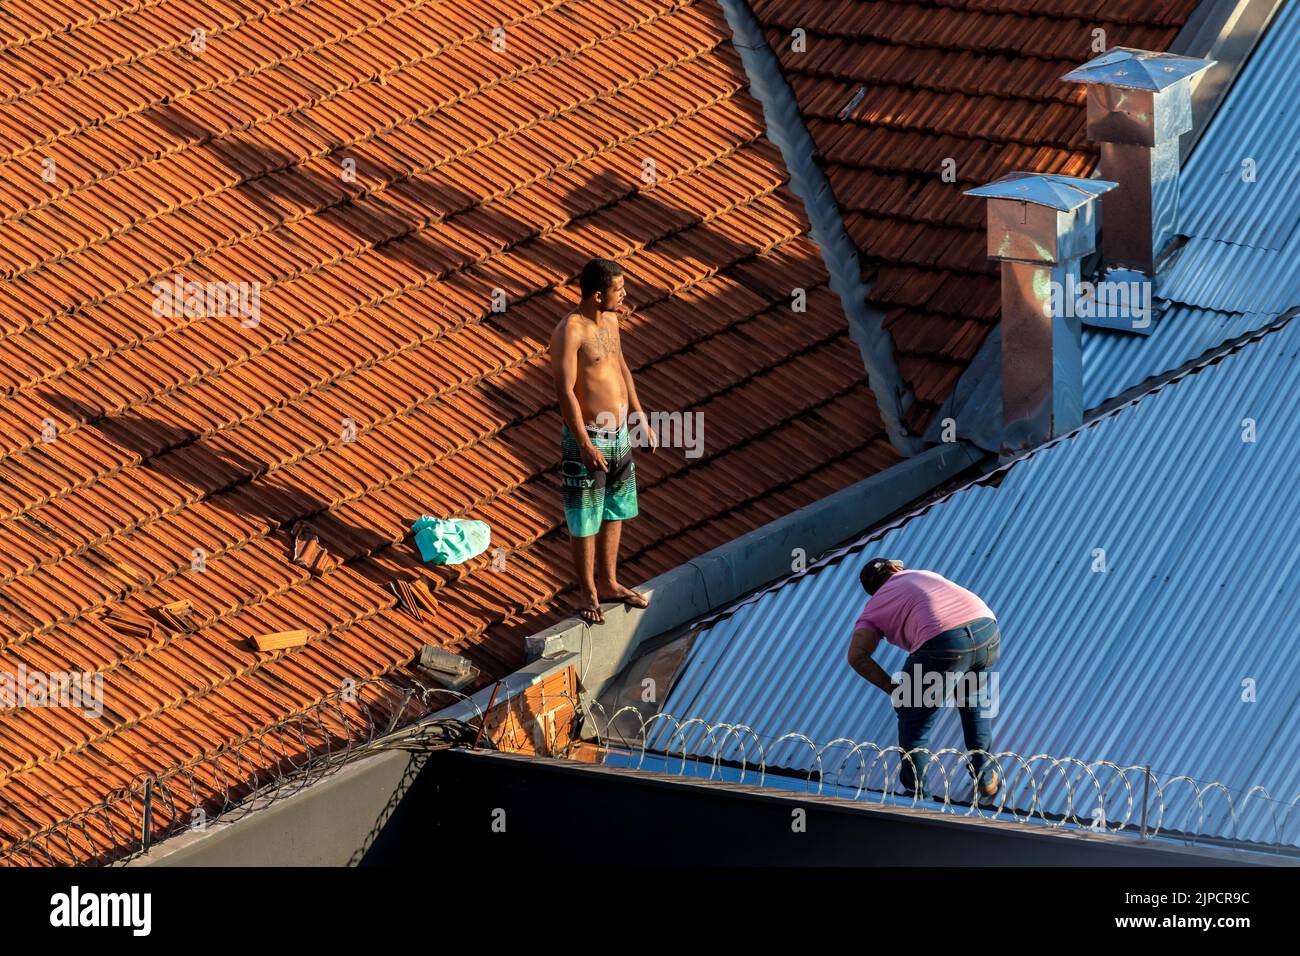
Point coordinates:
pixel 878 570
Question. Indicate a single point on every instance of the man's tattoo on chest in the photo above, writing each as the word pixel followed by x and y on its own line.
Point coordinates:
pixel 603 344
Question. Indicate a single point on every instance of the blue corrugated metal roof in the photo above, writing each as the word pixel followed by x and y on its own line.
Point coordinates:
pixel 1114 362
pixel 1231 278
pixel 1142 664
pixel 1240 201
pixel 1240 190
pixel 1256 129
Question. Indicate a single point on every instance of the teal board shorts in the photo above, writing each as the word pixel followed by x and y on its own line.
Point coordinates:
pixel 594 497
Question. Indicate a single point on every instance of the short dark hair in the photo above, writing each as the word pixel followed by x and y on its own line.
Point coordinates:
pixel 877 571
pixel 598 275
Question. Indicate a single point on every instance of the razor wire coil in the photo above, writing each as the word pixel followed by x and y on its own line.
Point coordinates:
pixel 291 754
pixel 1060 792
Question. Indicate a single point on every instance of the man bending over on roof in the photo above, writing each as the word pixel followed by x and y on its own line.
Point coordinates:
pixel 952 640
pixel 597 477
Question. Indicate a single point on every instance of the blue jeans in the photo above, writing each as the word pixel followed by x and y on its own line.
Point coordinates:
pixel 969 649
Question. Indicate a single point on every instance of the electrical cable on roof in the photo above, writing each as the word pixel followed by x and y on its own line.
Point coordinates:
pixel 582 651
pixel 441 733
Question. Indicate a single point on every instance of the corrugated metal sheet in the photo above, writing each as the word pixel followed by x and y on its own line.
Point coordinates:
pixel 1114 362
pixel 1257 124
pixel 1230 278
pixel 1141 664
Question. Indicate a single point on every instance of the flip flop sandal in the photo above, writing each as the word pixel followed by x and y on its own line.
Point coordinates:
pixel 591 616
pixel 635 599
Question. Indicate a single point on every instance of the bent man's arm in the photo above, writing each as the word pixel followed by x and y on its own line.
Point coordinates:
pixel 564 366
pixel 861 647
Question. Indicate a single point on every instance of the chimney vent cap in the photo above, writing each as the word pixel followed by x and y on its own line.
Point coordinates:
pixel 1131 69
pixel 1062 193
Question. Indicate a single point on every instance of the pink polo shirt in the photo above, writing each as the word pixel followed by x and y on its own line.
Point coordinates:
pixel 913 606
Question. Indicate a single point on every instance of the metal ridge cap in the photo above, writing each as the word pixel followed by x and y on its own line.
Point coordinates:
pixel 1156 383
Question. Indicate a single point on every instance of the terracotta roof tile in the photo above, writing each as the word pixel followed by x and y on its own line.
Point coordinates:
pixel 976 82
pixel 378 383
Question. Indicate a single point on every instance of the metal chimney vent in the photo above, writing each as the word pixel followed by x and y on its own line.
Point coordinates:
pixel 1040 228
pixel 1139 104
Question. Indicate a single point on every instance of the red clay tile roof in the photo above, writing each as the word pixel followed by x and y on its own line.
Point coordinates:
pixel 133 437
pixel 976 81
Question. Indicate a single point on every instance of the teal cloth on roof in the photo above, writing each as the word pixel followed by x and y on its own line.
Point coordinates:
pixel 450 540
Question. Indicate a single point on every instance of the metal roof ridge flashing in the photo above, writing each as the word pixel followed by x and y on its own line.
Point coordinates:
pixel 1171 377
pixel 786 129
pixel 1228 31
pixel 1156 384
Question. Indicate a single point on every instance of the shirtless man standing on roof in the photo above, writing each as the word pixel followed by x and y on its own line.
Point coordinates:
pixel 597 477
